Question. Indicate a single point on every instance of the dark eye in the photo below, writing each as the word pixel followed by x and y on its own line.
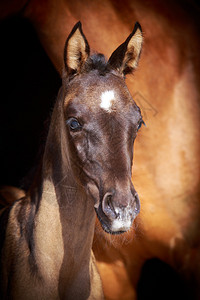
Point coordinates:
pixel 140 124
pixel 74 124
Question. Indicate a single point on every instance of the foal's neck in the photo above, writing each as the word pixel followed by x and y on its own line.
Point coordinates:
pixel 64 225
pixel 66 212
pixel 63 235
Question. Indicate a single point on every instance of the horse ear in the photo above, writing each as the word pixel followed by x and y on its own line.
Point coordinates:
pixel 125 58
pixel 76 50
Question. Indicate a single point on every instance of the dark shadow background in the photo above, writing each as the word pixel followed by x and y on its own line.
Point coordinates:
pixel 29 85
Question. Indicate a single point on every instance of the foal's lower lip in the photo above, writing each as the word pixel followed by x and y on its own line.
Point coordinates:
pixel 105 226
pixel 110 231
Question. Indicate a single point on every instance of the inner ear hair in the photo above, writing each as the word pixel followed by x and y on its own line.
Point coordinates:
pixel 125 58
pixel 76 50
pixel 134 47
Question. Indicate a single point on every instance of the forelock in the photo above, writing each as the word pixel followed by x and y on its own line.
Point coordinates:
pixel 97 62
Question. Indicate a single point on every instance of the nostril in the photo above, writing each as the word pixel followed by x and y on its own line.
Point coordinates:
pixel 137 204
pixel 109 202
pixel 108 207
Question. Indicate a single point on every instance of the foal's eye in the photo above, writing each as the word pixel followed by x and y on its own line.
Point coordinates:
pixel 140 124
pixel 74 124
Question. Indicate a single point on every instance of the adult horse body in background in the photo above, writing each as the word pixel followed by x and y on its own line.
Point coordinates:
pixel 167 87
pixel 46 251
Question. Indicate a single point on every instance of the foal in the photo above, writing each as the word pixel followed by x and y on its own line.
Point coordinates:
pixel 86 167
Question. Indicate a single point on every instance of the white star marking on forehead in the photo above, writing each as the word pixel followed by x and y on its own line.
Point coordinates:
pixel 107 99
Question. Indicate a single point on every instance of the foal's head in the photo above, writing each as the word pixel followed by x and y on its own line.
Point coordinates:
pixel 102 121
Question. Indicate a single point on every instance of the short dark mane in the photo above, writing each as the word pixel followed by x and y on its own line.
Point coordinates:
pixel 97 62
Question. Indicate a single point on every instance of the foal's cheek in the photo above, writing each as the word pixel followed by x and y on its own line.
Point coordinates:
pixel 81 151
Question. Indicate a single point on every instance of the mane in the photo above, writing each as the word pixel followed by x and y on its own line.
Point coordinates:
pixel 97 62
